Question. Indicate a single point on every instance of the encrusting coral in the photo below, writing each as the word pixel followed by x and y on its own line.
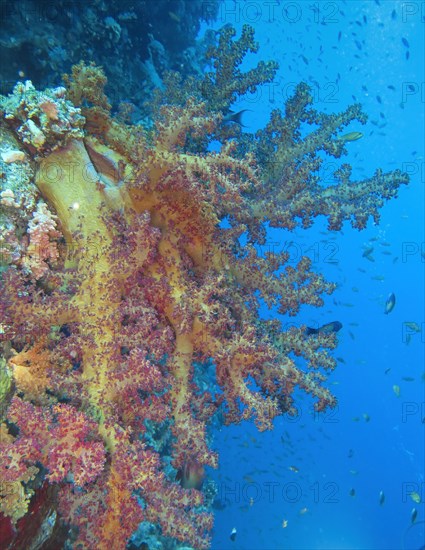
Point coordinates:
pixel 143 287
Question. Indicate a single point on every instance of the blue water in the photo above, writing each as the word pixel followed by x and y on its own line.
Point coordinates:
pixel 374 441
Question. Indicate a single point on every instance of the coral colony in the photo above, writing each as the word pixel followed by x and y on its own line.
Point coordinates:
pixel 129 312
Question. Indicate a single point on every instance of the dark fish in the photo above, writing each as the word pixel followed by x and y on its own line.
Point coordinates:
pixel 367 253
pixel 334 326
pixel 352 493
pixel 391 87
pixel 405 42
pixel 233 533
pixel 378 99
pixel 231 116
pixel 381 498
pixel 407 55
pixel 413 515
pixel 389 304
pixel 393 15
pixel 191 475
pixel 218 504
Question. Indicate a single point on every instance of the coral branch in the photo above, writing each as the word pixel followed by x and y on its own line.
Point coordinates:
pixel 136 274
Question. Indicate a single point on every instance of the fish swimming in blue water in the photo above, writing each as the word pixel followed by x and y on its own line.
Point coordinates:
pixel 334 326
pixel 390 303
pixel 231 116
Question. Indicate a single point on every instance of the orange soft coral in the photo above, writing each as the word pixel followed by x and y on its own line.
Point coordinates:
pixel 153 289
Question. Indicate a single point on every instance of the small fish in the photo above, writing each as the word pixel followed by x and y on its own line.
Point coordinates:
pixel 408 379
pixel 333 326
pixel 393 15
pixel 303 511
pixel 351 136
pixel 174 16
pixel 387 370
pixel 218 505
pixel 293 469
pixel 231 116
pixel 367 253
pixel 381 498
pixel 352 493
pixel 233 534
pixel 405 42
pixel 366 417
pixel 390 303
pixel 413 515
pixel 396 390
pixel 284 524
pixel 378 99
pixel 415 497
pixel 413 326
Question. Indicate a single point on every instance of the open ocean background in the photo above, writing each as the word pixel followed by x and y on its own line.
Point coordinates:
pixel 370 52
